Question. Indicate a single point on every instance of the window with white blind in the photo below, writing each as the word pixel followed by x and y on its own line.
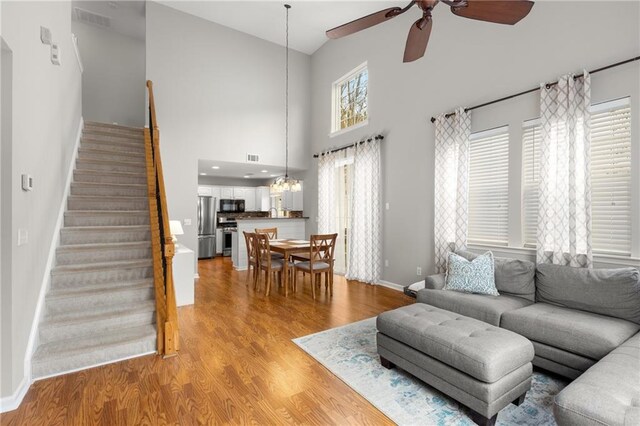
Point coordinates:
pixel 610 177
pixel 489 187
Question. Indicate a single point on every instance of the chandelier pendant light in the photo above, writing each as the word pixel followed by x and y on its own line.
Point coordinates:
pixel 285 183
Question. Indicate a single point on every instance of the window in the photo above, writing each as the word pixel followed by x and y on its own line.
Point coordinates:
pixel 489 187
pixel 610 177
pixel 350 99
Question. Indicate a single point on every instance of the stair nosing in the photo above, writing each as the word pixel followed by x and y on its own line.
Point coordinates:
pixel 111 125
pixel 110 197
pixel 140 164
pixel 144 306
pixel 111 172
pixel 104 246
pixel 103 228
pixel 120 264
pixel 66 293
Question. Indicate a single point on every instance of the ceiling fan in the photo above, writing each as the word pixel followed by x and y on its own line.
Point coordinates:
pixel 499 11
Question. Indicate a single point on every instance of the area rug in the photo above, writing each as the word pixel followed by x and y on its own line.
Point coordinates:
pixel 350 353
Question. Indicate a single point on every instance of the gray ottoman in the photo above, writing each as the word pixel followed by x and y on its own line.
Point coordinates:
pixel 479 365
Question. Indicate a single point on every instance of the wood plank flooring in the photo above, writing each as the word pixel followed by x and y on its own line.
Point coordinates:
pixel 236 365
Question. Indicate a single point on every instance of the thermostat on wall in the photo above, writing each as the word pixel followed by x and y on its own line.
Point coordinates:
pixel 27 182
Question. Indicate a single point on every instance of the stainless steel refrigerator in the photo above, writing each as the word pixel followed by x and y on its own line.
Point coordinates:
pixel 206 227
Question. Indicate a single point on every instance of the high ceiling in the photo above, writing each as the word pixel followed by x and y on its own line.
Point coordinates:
pixel 308 20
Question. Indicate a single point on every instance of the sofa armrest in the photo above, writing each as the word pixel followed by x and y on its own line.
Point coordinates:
pixel 435 282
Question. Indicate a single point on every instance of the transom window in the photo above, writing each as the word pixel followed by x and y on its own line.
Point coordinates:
pixel 350 100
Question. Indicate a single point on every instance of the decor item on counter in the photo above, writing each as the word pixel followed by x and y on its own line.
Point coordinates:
pixel 471 276
pixel 285 183
pixel 175 227
pixel 350 353
pixel 564 199
pixel 451 186
pixel 499 12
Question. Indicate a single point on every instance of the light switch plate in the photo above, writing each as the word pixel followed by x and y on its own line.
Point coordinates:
pixel 45 35
pixel 55 54
pixel 23 237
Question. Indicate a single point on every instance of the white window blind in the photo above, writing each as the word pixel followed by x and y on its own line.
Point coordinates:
pixel 531 138
pixel 489 187
pixel 610 177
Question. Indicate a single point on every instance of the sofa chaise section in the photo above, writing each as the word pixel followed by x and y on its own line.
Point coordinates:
pixel 606 394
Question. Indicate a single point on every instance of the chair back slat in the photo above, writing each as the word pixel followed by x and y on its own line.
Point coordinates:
pixel 263 249
pixel 250 240
pixel 272 233
pixel 322 247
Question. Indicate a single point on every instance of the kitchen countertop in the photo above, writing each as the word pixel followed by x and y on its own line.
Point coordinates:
pixel 270 218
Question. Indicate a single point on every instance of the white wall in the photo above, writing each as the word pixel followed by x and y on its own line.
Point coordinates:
pixel 467 62
pixel 220 95
pixel 113 82
pixel 47 103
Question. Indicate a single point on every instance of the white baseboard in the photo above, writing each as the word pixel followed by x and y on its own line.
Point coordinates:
pixel 46 279
pixel 10 403
pixel 391 285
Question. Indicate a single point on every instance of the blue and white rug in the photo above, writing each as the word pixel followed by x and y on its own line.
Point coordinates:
pixel 350 353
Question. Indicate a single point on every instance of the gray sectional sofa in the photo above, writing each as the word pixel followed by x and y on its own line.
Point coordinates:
pixel 584 324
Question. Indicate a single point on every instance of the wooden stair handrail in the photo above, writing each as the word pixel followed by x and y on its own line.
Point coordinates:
pixel 162 246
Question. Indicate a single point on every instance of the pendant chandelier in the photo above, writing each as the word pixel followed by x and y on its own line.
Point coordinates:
pixel 285 183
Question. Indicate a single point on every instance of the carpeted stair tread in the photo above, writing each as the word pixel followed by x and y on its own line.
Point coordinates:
pixel 75 218
pixel 91 124
pixel 93 267
pixel 102 285
pixel 96 313
pixel 95 189
pixel 97 150
pixel 111 173
pixel 102 246
pixel 57 357
pixel 88 290
pixel 92 162
pixel 105 228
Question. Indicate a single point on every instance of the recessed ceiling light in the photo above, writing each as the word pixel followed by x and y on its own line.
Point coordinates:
pixel 274 175
pixel 215 167
pixel 264 171
pixel 247 176
pixel 203 174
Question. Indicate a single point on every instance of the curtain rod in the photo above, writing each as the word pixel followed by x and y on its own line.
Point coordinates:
pixel 538 88
pixel 342 148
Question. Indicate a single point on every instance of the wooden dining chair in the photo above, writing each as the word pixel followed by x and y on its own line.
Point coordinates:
pixel 272 233
pixel 272 267
pixel 252 257
pixel 321 249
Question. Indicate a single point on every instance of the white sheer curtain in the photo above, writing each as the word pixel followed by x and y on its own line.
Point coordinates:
pixel 451 184
pixel 364 242
pixel 327 193
pixel 564 209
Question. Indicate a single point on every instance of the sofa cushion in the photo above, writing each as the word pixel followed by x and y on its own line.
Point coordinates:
pixel 607 393
pixel 478 306
pixel 579 332
pixel 482 351
pixel 513 276
pixel 471 276
pixel 612 292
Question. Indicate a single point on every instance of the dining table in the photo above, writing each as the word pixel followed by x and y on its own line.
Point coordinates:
pixel 288 247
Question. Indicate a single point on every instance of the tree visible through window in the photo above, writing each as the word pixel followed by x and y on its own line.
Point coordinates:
pixel 350 97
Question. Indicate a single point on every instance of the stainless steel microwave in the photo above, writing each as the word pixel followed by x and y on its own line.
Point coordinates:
pixel 232 206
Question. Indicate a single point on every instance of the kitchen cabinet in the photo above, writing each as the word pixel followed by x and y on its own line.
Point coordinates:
pixel 239 193
pixel 204 191
pixel 215 193
pixel 226 192
pixel 293 201
pixel 263 199
pixel 250 199
pixel 219 242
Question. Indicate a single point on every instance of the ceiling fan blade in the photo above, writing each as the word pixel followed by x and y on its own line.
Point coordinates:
pixel 499 11
pixel 418 39
pixel 365 22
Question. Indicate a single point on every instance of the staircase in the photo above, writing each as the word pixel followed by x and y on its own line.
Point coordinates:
pixel 100 307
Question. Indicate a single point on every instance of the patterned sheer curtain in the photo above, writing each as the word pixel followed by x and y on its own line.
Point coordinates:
pixel 451 185
pixel 327 193
pixel 365 239
pixel 564 212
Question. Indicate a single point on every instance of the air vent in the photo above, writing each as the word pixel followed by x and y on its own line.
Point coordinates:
pixel 253 158
pixel 91 18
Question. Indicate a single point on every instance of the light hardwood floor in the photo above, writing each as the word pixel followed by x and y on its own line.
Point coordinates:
pixel 236 365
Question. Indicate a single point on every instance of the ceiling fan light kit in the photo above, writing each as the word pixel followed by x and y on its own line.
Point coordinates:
pixel 508 12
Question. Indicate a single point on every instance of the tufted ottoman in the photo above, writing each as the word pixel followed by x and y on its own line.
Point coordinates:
pixel 481 366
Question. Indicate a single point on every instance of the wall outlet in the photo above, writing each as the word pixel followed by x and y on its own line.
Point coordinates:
pixel 186 222
pixel 386 263
pixel 23 237
pixel 419 271
pixel 27 182
pixel 55 54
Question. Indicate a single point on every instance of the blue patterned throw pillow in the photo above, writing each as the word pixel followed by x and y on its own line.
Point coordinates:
pixel 475 276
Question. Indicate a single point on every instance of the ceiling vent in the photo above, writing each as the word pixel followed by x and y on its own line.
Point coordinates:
pixel 253 158
pixel 91 18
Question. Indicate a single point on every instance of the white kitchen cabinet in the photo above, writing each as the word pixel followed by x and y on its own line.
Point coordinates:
pixel 292 201
pixel 263 199
pixel 226 192
pixel 215 193
pixel 204 191
pixel 239 193
pixel 250 199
